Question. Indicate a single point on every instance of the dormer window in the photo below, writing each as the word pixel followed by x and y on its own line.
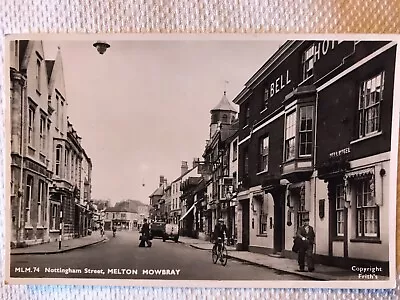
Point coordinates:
pixel 265 100
pixel 308 63
pixel 225 118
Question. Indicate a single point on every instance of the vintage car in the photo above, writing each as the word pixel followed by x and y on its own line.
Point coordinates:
pixel 171 232
pixel 157 229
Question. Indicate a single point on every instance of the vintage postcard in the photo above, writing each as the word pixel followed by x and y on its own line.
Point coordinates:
pixel 207 161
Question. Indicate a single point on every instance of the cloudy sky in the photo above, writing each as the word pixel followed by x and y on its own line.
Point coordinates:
pixel 144 106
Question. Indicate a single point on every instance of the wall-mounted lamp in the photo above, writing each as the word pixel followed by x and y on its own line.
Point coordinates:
pixel 101 46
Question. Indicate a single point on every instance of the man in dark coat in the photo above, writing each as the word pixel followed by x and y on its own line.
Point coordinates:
pixel 220 231
pixel 145 234
pixel 306 237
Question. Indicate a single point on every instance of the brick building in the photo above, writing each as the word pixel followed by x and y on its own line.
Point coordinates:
pixel 314 141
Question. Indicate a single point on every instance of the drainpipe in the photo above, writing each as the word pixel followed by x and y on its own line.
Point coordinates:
pixel 314 165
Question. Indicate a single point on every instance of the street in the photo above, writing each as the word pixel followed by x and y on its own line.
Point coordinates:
pixel 121 258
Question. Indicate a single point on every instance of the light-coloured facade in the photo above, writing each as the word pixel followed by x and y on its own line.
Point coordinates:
pixel 121 219
pixel 31 153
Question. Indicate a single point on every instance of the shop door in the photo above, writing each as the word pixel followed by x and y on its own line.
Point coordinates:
pixel 245 224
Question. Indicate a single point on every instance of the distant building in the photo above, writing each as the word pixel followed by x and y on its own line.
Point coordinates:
pixel 123 219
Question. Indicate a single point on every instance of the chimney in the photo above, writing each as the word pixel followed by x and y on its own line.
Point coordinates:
pixel 161 180
pixel 196 162
pixel 184 167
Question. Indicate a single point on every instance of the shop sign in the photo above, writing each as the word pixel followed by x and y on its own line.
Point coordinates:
pixel 323 48
pixel 277 85
pixel 340 152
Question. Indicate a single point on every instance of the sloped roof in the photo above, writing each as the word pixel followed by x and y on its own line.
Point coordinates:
pixel 120 209
pixel 49 68
pixel 158 192
pixel 224 104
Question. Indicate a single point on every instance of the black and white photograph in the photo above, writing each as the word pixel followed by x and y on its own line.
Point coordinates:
pixel 207 161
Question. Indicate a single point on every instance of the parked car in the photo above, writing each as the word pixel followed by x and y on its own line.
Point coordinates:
pixel 171 232
pixel 157 229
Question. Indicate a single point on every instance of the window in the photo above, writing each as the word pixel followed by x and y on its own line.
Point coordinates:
pixel 339 204
pixel 38 79
pixel 247 115
pixel 266 96
pixel 225 118
pixel 72 167
pixel 31 124
pixel 234 175
pixel 39 202
pixel 367 210
pixel 306 130
pixel 371 92
pixel 53 216
pixel 246 162
pixel 28 199
pixel 234 150
pixel 43 203
pixel 264 151
pixel 42 133
pixel 58 160
pixel 62 116
pixel 302 213
pixel 290 135
pixel 66 164
pixel 308 63
pixel 58 111
pixel 264 217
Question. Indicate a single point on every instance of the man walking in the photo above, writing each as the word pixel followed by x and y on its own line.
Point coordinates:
pixel 306 236
pixel 145 234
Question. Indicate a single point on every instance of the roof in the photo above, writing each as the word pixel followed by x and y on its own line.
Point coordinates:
pixel 224 104
pixel 119 209
pixel 158 192
pixel 49 68
pixel 180 177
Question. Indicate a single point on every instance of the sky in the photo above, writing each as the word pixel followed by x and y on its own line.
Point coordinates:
pixel 144 106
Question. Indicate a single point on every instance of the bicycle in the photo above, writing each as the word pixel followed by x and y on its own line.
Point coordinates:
pixel 220 254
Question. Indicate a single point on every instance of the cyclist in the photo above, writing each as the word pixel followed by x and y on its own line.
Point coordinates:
pixel 220 232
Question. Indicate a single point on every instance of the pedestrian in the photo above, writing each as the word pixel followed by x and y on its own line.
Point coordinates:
pixel 145 234
pixel 306 239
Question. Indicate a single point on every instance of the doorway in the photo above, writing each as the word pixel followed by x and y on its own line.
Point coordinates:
pixel 245 224
pixel 279 221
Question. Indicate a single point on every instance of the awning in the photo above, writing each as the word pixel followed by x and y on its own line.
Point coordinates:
pixel 189 210
pixel 363 173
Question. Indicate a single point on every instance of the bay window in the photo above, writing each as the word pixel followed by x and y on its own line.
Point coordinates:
pixel 290 136
pixel 306 130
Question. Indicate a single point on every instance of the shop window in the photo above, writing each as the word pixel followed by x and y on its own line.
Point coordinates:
pixel 339 204
pixel 308 63
pixel 367 210
pixel 290 136
pixel 302 212
pixel 264 153
pixel 306 130
pixel 371 95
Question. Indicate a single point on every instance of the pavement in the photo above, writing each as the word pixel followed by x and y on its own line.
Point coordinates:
pixel 285 265
pixel 66 245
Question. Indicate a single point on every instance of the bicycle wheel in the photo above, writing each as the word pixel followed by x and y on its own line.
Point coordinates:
pixel 224 256
pixel 214 254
